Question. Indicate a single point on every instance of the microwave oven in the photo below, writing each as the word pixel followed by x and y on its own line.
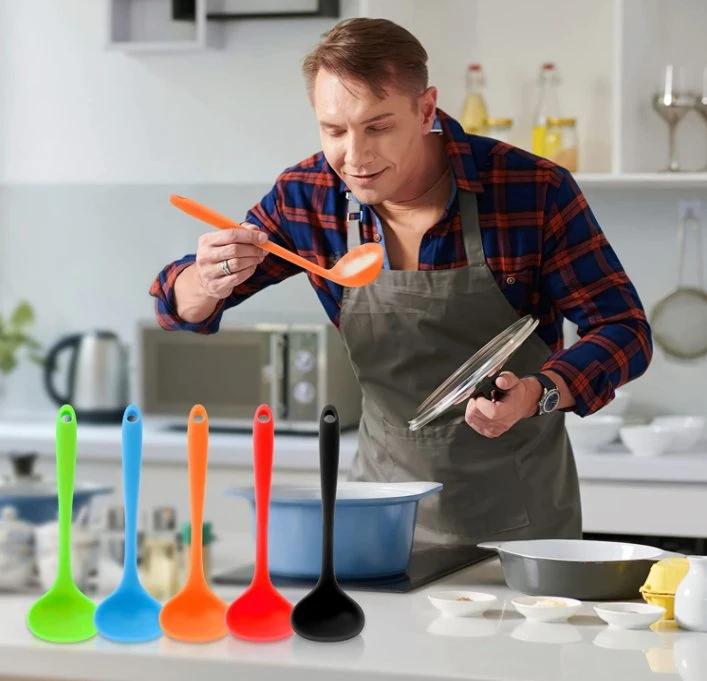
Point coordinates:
pixel 294 368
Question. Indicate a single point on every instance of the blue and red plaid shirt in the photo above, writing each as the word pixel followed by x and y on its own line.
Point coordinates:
pixel 541 240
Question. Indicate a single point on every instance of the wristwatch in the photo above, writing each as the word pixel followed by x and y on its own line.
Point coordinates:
pixel 550 396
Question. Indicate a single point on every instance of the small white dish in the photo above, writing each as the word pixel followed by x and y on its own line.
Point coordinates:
pixel 546 608
pixel 629 615
pixel 592 433
pixel 460 603
pixel 647 440
pixel 687 430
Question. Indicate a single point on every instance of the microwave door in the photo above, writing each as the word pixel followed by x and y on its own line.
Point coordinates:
pixel 230 373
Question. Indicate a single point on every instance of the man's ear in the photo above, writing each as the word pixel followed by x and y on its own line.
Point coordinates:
pixel 428 108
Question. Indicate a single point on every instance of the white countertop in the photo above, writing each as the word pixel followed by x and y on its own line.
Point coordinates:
pixel 404 638
pixel 614 463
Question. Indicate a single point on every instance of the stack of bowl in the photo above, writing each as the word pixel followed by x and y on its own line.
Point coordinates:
pixel 664 434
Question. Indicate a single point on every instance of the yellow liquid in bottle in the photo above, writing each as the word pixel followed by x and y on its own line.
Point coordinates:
pixel 474 116
pixel 539 132
pixel 553 144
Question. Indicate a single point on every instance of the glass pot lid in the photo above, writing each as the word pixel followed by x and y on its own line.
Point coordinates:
pixel 476 375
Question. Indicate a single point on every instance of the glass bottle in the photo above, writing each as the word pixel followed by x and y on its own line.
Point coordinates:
pixel 547 106
pixel 500 129
pixel 474 114
pixel 561 142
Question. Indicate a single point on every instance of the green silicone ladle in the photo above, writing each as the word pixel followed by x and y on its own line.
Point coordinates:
pixel 64 614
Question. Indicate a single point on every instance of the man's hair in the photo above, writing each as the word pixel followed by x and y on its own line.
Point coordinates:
pixel 373 52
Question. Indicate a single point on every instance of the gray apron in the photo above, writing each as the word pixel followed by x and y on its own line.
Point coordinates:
pixel 405 333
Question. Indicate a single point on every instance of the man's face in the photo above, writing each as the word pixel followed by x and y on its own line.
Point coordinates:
pixel 374 145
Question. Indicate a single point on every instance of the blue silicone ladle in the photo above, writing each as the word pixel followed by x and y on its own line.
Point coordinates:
pixel 130 614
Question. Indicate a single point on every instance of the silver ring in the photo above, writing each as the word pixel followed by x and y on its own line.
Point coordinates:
pixel 225 268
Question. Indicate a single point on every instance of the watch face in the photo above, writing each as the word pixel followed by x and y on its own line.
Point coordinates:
pixel 552 399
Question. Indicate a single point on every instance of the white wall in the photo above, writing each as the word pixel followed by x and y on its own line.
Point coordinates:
pixel 93 142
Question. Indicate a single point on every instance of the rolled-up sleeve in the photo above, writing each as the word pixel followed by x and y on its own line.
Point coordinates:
pixel 586 282
pixel 268 216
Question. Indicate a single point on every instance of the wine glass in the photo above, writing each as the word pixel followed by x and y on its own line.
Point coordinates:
pixel 672 104
pixel 701 103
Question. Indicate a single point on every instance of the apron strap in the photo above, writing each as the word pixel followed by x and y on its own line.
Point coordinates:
pixel 471 228
pixel 353 222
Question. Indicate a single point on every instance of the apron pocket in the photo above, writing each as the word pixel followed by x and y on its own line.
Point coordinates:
pixel 482 496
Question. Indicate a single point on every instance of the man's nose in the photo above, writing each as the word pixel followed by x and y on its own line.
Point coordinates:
pixel 358 152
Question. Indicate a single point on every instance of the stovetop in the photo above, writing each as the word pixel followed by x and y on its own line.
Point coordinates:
pixel 428 563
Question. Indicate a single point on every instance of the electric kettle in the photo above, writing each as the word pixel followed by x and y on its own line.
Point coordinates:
pixel 97 380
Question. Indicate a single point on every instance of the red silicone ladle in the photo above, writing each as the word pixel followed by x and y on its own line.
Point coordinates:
pixel 261 613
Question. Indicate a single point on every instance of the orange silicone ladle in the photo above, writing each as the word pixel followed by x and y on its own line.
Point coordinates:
pixel 358 267
pixel 196 614
pixel 261 613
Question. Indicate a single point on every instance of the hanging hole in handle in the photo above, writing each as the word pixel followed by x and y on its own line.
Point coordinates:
pixel 263 414
pixel 198 418
pixel 132 418
pixel 330 418
pixel 66 413
pixel 66 418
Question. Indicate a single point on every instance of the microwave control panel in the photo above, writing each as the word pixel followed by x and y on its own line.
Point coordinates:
pixel 303 376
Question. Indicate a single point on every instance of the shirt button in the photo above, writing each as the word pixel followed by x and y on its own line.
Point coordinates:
pixel 376 237
pixel 510 280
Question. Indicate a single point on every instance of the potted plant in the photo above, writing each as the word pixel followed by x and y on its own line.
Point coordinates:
pixel 14 338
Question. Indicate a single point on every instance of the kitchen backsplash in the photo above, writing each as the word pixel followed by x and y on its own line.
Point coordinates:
pixel 85 255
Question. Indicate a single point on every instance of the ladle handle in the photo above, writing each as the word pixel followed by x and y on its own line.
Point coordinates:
pixel 329 469
pixel 132 463
pixel 215 219
pixel 66 437
pixel 198 447
pixel 263 437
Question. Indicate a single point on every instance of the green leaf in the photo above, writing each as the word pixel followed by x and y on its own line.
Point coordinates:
pixel 23 315
pixel 7 363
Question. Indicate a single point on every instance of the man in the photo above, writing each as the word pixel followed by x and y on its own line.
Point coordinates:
pixel 476 233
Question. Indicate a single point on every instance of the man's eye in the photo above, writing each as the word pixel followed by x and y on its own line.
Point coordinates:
pixel 380 128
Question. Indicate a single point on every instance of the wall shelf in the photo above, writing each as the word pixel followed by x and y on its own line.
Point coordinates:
pixel 191 25
pixel 640 180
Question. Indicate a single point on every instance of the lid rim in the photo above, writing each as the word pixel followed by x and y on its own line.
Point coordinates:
pixel 438 402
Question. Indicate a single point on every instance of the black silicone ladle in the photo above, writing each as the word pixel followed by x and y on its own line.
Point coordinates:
pixel 327 614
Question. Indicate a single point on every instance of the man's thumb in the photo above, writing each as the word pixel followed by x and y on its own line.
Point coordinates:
pixel 507 380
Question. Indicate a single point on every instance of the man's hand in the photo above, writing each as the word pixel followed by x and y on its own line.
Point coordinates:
pixel 492 419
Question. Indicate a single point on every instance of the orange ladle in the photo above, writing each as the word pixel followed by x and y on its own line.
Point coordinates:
pixel 358 267
pixel 196 614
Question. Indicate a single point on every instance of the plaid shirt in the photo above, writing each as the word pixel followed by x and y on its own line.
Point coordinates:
pixel 542 243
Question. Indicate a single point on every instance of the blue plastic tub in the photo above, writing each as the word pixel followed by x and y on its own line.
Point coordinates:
pixel 374 527
pixel 38 503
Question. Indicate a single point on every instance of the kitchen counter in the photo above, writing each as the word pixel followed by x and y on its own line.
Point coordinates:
pixel 404 638
pixel 301 452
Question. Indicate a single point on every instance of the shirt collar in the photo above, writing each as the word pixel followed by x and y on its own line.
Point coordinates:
pixel 461 159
